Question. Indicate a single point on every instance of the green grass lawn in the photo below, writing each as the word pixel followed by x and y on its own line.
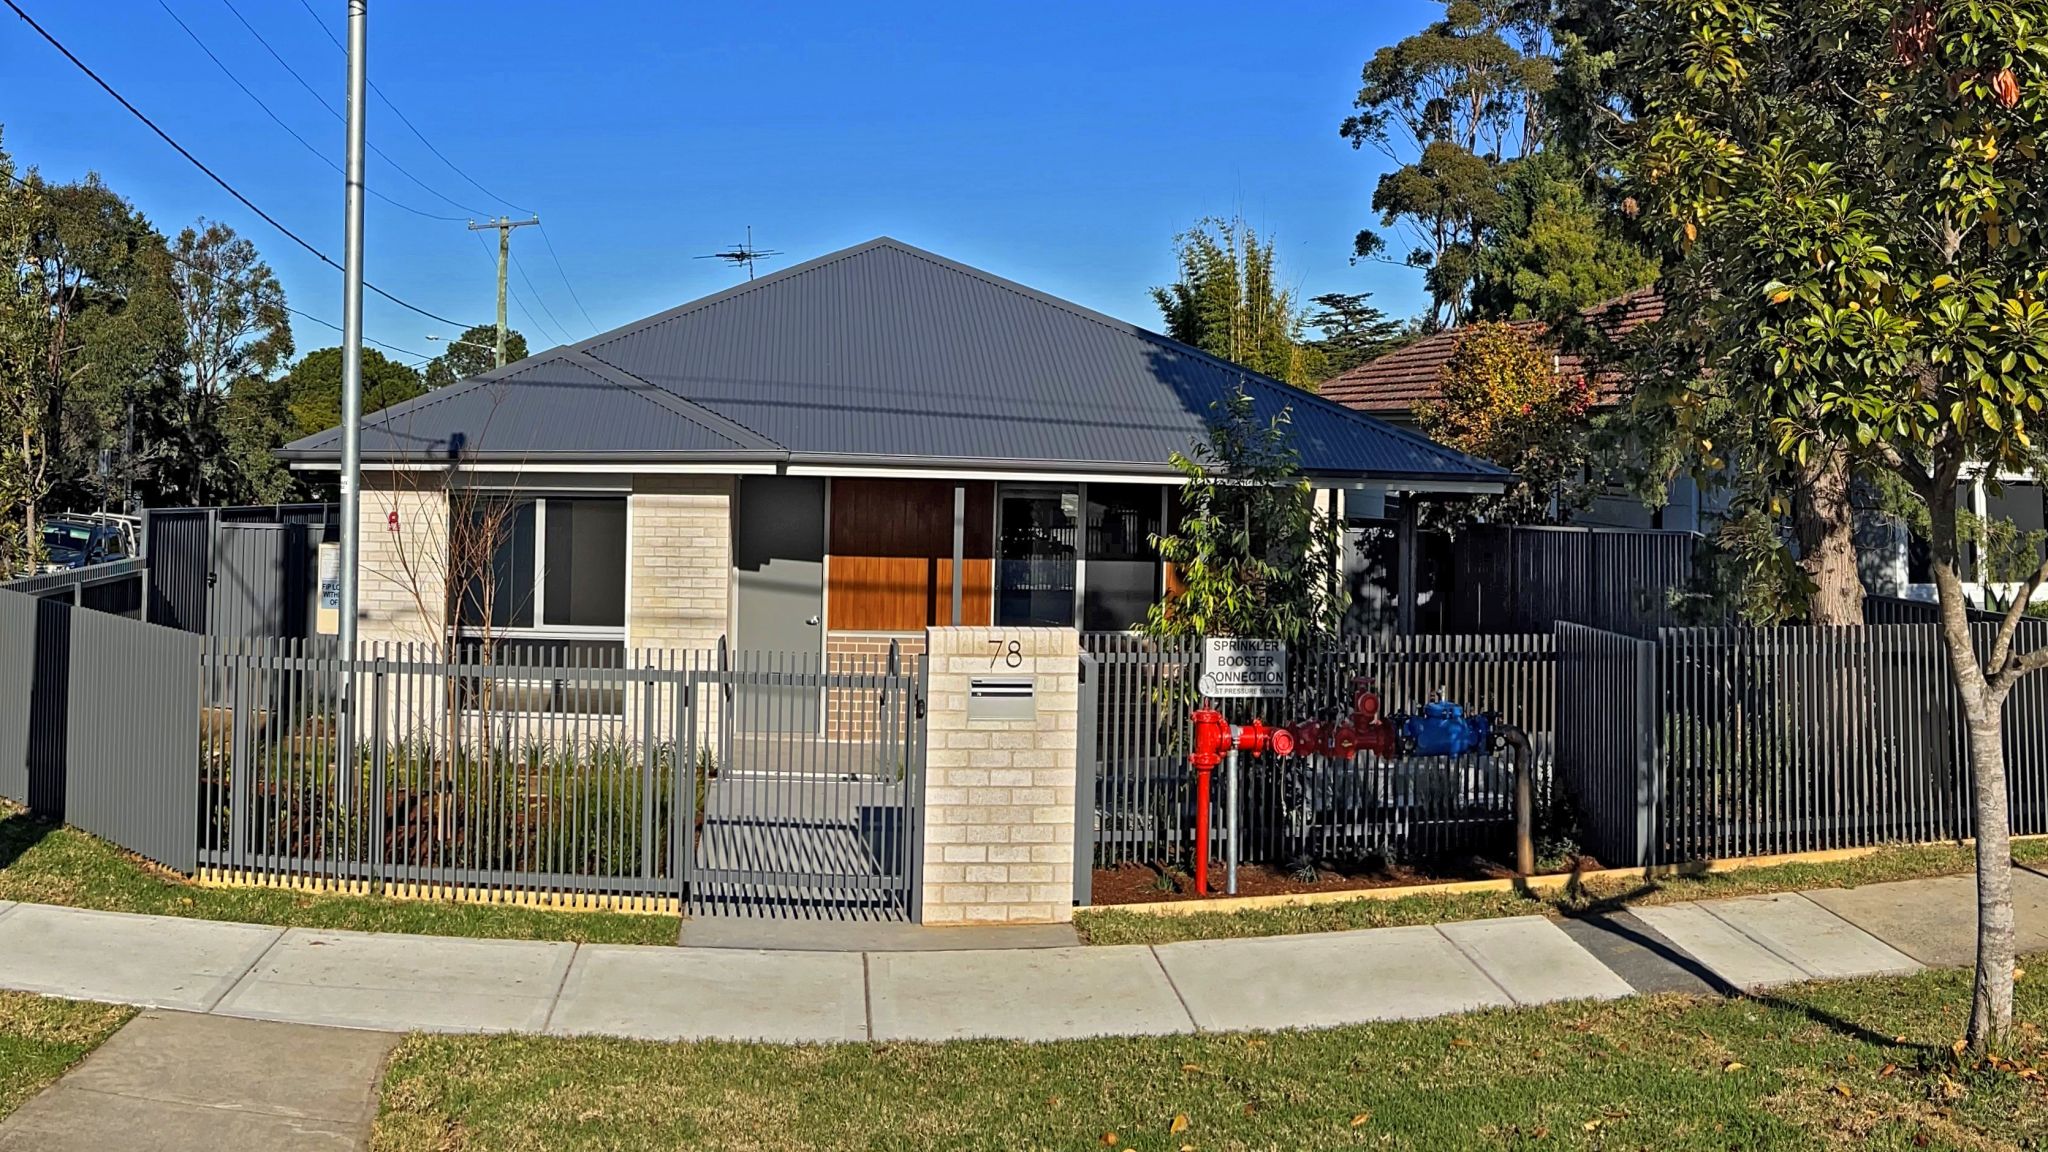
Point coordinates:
pixel 1852 1065
pixel 51 864
pixel 1109 925
pixel 41 1037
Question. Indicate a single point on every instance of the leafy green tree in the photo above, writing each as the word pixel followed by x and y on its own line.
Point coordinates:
pixel 1229 303
pixel 1553 250
pixel 1353 331
pixel 91 335
pixel 237 335
pixel 1449 105
pixel 1498 398
pixel 1253 554
pixel 1856 190
pixel 313 388
pixel 469 354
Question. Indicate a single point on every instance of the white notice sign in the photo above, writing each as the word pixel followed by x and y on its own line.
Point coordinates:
pixel 1235 667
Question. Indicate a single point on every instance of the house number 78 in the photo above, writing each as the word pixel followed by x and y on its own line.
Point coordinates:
pixel 1009 653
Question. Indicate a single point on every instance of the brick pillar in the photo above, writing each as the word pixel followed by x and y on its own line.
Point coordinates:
pixel 999 793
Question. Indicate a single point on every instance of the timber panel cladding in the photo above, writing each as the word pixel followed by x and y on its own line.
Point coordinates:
pixel 889 555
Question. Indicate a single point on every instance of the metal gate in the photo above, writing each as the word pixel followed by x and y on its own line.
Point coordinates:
pixel 794 818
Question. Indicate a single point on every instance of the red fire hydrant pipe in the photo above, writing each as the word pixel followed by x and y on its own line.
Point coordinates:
pixel 1202 831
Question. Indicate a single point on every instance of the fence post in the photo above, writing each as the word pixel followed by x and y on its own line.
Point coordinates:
pixel 1084 779
pixel 379 768
pixel 1649 773
pixel 649 785
pixel 238 761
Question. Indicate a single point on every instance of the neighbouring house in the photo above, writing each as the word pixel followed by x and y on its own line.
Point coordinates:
pixel 1390 387
pixel 812 462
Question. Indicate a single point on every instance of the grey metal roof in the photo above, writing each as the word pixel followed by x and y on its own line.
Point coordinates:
pixel 882 354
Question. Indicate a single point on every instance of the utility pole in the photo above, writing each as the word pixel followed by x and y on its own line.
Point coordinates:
pixel 504 225
pixel 352 374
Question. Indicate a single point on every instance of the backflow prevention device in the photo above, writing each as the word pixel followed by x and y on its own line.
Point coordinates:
pixel 1443 728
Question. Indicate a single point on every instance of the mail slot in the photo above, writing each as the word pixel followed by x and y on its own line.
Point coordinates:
pixel 1011 698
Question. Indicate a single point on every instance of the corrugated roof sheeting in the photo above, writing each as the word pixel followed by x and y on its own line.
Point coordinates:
pixel 887 351
pixel 884 352
pixel 548 405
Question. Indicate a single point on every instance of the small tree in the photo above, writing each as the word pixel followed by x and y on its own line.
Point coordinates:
pixel 1857 189
pixel 1253 553
pixel 1499 399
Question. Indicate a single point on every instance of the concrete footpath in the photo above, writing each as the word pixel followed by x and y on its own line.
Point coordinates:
pixel 396 983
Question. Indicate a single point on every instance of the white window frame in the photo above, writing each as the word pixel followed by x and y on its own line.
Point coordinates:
pixel 541 629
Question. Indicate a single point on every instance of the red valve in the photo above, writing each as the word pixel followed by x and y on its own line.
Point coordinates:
pixel 1211 741
pixel 1343 741
pixel 1281 742
pixel 1255 738
pixel 1308 737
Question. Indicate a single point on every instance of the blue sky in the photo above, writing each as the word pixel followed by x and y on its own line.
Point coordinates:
pixel 1058 144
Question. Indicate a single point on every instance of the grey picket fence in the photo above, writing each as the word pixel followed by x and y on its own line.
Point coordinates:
pixel 1727 742
pixel 1305 810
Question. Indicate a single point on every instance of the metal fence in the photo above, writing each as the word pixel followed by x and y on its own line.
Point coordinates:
pixel 1308 810
pixel 94 711
pixel 565 775
pixel 116 588
pixel 241 573
pixel 628 779
pixel 1777 740
pixel 1607 740
pixel 1525 579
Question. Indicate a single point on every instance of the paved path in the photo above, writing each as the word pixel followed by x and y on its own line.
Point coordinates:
pixel 176 1082
pixel 400 983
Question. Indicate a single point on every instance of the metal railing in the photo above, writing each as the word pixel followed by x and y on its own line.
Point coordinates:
pixel 630 778
pixel 1761 741
pixel 1525 578
pixel 117 587
pixel 1305 810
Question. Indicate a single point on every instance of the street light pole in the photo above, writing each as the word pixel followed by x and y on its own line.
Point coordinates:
pixel 352 369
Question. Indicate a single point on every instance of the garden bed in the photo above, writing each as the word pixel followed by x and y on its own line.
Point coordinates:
pixel 1158 883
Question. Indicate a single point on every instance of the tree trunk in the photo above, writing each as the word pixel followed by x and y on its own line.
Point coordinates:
pixel 1823 520
pixel 1983 710
pixel 1991 995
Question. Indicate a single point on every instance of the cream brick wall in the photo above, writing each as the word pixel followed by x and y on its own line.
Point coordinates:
pixel 999 795
pixel 402 567
pixel 679 577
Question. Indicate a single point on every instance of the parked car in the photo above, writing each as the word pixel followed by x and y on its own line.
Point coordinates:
pixel 76 541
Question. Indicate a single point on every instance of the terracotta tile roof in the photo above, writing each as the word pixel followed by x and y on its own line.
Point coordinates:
pixel 1393 383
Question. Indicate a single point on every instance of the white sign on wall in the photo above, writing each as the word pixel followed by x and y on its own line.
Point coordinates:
pixel 328 614
pixel 1234 667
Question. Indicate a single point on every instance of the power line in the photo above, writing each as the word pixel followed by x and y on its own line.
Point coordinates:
pixel 336 113
pixel 210 173
pixel 560 330
pixel 388 103
pixel 533 324
pixel 566 283
pixel 303 142
pixel 303 315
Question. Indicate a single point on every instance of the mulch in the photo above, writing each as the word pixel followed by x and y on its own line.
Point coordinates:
pixel 1150 883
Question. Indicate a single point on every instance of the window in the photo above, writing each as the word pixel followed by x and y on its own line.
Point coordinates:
pixel 557 564
pixel 1036 554
pixel 1122 577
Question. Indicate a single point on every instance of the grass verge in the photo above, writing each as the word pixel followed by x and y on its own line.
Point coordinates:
pixel 1857 1064
pixel 41 1037
pixel 51 864
pixel 1109 925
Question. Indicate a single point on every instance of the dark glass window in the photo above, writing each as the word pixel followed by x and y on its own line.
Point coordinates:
pixel 1036 549
pixel 1123 575
pixel 585 577
pixel 556 562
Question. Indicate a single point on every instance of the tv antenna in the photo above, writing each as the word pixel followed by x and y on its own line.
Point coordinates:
pixel 742 254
